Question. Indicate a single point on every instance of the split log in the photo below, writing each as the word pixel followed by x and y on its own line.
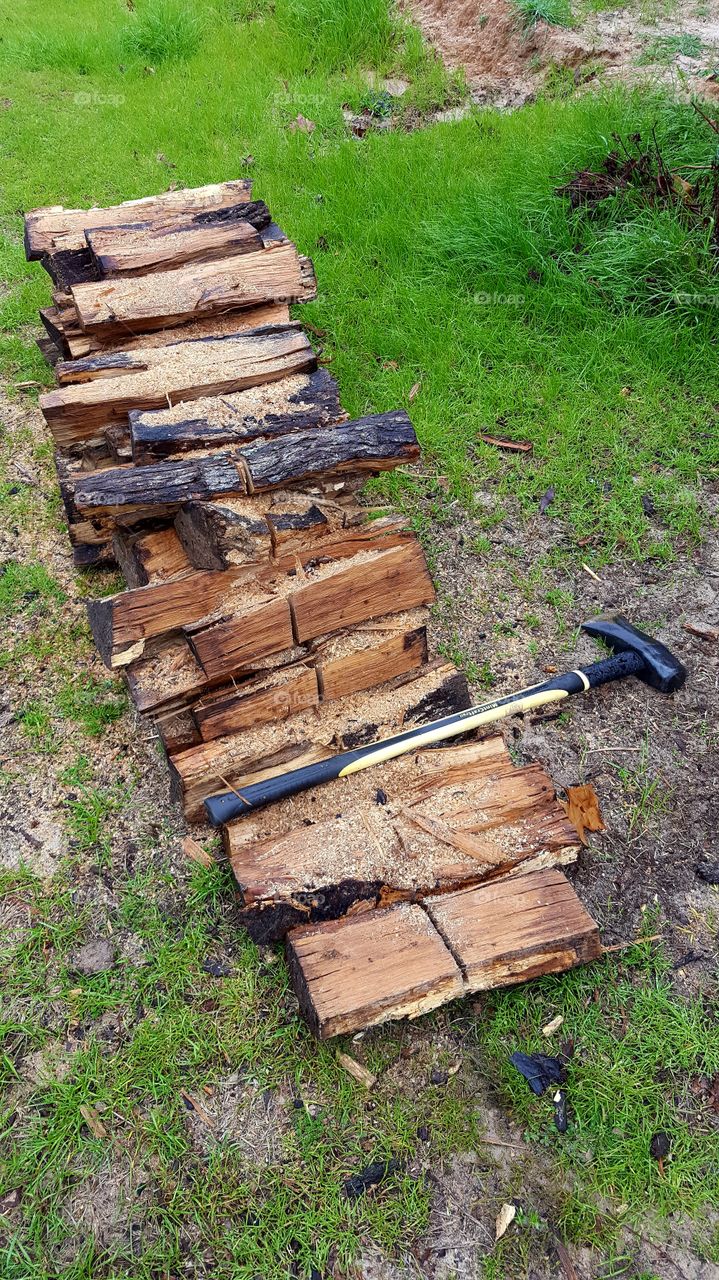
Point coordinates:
pixel 177 731
pixel 78 344
pixel 375 443
pixel 449 818
pixel 143 247
pixel 159 491
pixel 395 963
pixel 370 968
pixel 166 678
pixel 186 370
pixel 122 624
pixel 340 596
pixel 366 445
pixel 54 228
pixel 332 669
pixel 389 582
pixel 314 735
pixel 150 557
pixel 112 307
pixel 220 534
pixel 514 930
pixel 295 404
pixel 118 442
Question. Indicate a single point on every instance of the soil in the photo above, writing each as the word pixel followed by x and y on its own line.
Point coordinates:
pixel 508 64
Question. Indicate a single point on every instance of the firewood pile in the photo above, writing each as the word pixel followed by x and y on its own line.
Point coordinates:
pixel 268 622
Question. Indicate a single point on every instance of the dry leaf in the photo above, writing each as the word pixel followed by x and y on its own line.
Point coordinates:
pixel 93 1121
pixel 195 852
pixel 356 1070
pixel 414 390
pixel 302 124
pixel 506 1215
pixel 546 500
pixel 582 809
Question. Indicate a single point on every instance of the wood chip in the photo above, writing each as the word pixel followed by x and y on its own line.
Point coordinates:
pixel 356 1070
pixel 93 1121
pixel 504 1218
pixel 195 852
pixel 582 808
pixel 553 1026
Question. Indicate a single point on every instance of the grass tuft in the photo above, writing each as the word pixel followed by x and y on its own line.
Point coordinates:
pixel 161 31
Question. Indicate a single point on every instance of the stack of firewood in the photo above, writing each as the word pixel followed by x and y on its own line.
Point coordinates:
pixel 267 621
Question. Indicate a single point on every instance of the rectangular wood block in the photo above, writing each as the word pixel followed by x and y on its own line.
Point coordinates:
pixel 515 929
pixel 370 968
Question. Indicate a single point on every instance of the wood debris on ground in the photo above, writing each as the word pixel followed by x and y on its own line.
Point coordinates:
pixel 269 620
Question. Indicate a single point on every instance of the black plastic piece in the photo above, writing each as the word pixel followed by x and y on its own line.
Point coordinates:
pixel 660 668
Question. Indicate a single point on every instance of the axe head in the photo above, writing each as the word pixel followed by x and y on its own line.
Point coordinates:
pixel 661 669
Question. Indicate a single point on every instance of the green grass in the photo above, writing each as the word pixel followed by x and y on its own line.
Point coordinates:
pixel 667 48
pixel 557 13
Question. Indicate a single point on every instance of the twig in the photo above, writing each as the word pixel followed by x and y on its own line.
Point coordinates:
pixel 633 942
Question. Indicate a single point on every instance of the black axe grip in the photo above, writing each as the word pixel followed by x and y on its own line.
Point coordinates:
pixel 614 668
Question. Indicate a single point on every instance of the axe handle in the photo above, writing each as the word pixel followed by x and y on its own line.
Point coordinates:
pixel 228 805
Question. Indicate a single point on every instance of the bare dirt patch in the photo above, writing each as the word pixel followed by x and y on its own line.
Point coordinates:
pixel 507 63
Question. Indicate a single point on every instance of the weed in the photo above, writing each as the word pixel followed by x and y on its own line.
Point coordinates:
pixel 556 12
pixel 36 724
pixel 88 814
pixel 164 31
pixel 667 48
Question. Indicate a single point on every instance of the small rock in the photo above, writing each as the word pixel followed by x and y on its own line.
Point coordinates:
pixel 95 957
pixel 380 796
pixel 439 1077
pixel 216 968
pixel 423 1133
pixel 708 871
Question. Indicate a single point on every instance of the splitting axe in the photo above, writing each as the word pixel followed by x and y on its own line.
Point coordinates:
pixel 633 654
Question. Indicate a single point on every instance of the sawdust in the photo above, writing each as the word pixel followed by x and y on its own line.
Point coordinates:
pixel 238 409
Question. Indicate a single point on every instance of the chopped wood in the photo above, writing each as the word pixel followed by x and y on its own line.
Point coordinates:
pixel 150 557
pixel 121 624
pixel 371 445
pixel 143 247
pixel 177 731
pixel 166 677
pixel 225 532
pixel 116 306
pixel 152 377
pixel 391 581
pixel 50 229
pixel 257 700
pixel 398 962
pixel 493 819
pixel 375 443
pixel 370 968
pixel 294 404
pixel 363 661
pixel 119 443
pixel 78 344
pixel 314 735
pixel 512 930
pixel 196 853
pixel 160 490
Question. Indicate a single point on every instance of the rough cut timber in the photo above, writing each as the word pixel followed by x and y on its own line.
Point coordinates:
pixel 314 735
pixel 143 247
pixel 332 669
pixel 367 445
pixel 295 404
pixel 363 970
pixel 150 557
pixel 448 818
pixel 517 929
pixel 54 228
pixel 74 344
pixel 340 597
pixel 118 306
pixel 147 378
